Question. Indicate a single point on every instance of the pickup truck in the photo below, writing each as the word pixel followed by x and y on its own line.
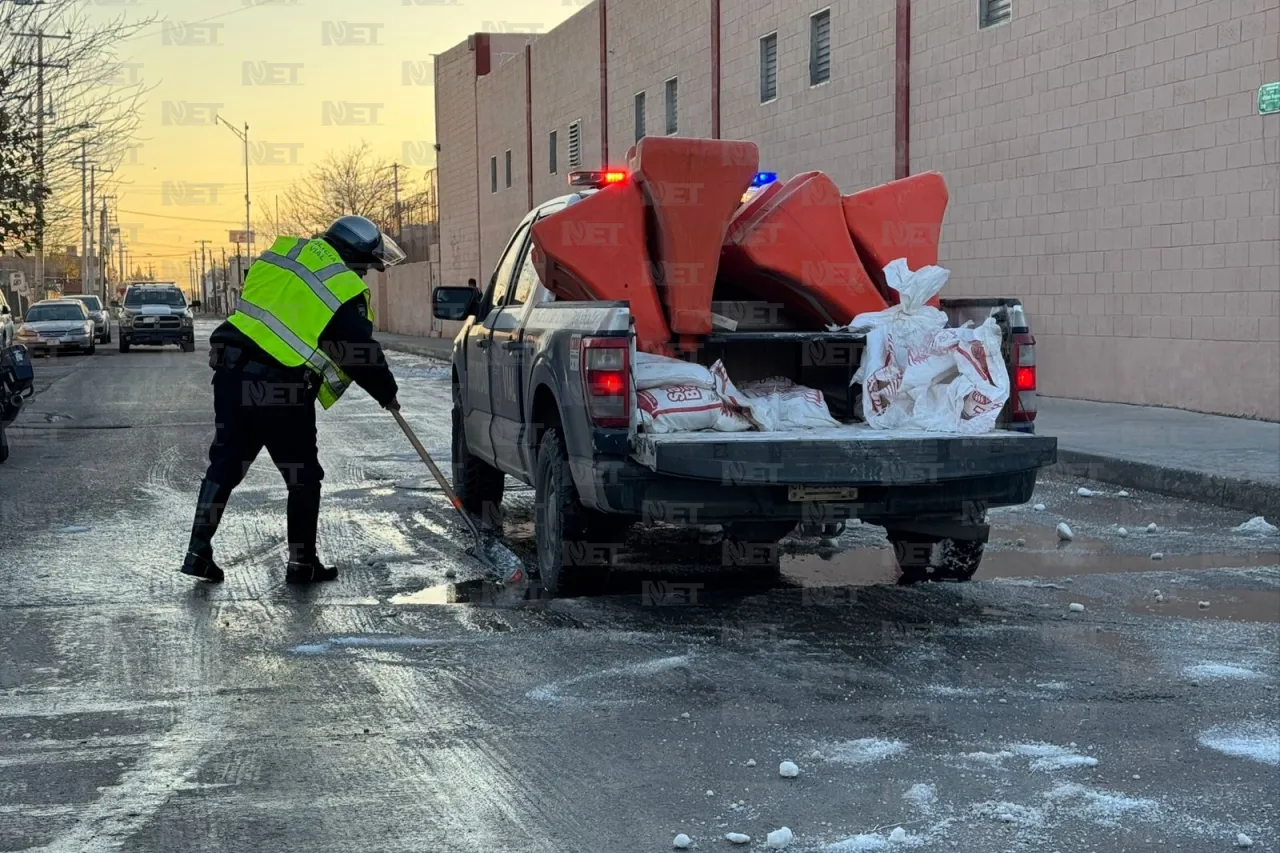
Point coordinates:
pixel 543 392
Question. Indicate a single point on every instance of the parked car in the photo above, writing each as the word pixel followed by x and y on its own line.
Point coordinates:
pixel 6 323
pixel 17 384
pixel 156 314
pixel 54 325
pixel 99 314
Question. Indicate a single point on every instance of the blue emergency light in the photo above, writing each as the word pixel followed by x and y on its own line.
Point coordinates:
pixel 763 178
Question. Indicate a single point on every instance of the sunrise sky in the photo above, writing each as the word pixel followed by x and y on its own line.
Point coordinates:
pixel 185 182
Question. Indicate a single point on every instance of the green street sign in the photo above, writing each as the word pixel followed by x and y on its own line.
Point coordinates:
pixel 1269 99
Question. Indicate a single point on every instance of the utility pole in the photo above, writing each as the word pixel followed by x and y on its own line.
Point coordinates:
pixel 226 283
pixel 203 292
pixel 40 65
pixel 94 251
pixel 244 137
pixel 395 171
pixel 84 212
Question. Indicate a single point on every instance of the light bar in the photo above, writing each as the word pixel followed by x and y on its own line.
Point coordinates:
pixel 596 179
pixel 763 178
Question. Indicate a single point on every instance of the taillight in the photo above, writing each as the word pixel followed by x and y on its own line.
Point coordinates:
pixel 605 387
pixel 1024 377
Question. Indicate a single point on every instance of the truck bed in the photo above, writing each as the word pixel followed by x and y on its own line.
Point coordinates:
pixel 853 454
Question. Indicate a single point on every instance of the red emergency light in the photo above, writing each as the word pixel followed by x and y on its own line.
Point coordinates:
pixel 597 179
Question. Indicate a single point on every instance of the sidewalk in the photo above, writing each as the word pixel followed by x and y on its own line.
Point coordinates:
pixel 1231 462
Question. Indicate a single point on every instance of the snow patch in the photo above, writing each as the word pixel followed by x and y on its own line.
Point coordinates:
pixel 995 759
pixel 867 750
pixel 779 838
pixel 948 690
pixel 1254 741
pixel 1047 756
pixel 857 844
pixel 737 837
pixel 552 692
pixel 1103 806
pixel 1220 670
pixel 921 795
pixel 1258 526
pixel 1085 493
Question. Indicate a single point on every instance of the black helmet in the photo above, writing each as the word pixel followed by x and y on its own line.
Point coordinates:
pixel 361 245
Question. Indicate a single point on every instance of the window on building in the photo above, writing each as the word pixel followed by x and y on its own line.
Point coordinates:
pixel 639 116
pixel 552 143
pixel 820 47
pixel 575 145
pixel 673 112
pixel 768 68
pixel 507 157
pixel 493 174
pixel 992 12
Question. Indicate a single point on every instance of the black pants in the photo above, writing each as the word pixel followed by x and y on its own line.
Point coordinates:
pixel 253 411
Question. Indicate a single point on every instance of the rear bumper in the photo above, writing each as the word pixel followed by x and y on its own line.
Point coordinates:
pixel 145 336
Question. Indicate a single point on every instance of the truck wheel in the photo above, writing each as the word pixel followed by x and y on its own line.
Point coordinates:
pixel 124 345
pixel 923 560
pixel 4 445
pixel 765 530
pixel 571 561
pixel 477 483
pixel 188 346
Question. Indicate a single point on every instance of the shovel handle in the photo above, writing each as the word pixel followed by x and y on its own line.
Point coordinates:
pixel 435 471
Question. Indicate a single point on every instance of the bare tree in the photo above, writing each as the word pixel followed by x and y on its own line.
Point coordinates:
pixel 354 180
pixel 90 94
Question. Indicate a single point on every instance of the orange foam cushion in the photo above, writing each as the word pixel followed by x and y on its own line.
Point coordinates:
pixel 900 219
pixel 595 249
pixel 694 187
pixel 796 248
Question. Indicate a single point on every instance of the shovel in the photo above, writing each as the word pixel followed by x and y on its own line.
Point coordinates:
pixel 492 554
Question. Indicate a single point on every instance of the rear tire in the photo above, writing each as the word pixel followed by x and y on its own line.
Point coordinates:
pixel 188 346
pixel 922 560
pixel 477 483
pixel 92 348
pixel 573 558
pixel 124 345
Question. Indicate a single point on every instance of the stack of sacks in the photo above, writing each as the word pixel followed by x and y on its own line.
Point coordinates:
pixel 918 374
pixel 679 396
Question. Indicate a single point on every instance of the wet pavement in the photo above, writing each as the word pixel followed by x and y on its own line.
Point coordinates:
pixel 401 710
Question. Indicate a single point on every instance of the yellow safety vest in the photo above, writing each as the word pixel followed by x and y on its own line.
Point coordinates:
pixel 290 294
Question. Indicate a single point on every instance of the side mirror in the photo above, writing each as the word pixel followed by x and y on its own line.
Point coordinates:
pixel 454 303
pixel 4 309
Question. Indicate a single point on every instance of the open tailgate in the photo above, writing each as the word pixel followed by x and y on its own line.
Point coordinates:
pixel 853 455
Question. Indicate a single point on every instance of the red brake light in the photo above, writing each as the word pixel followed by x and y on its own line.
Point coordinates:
pixel 1024 377
pixel 605 371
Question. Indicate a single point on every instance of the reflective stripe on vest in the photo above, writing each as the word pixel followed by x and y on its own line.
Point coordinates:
pixel 313 280
pixel 332 376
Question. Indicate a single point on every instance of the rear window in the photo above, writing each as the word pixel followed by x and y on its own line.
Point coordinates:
pixel 93 303
pixel 155 296
pixel 40 313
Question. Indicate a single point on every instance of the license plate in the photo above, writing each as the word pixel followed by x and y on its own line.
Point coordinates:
pixel 821 493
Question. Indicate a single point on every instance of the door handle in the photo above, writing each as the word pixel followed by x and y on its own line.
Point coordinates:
pixel 482 343
pixel 509 346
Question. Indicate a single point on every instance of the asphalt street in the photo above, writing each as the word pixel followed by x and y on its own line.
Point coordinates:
pixel 399 709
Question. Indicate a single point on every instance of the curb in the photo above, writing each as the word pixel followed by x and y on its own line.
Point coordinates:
pixel 1259 498
pixel 442 353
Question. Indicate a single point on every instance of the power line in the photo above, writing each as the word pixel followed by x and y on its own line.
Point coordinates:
pixel 200 21
pixel 182 218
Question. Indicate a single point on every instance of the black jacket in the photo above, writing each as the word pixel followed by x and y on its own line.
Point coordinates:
pixel 347 340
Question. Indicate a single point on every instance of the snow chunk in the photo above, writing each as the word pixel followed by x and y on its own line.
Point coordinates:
pixel 865 750
pixel 1219 670
pixel 898 835
pixel 788 770
pixel 1103 806
pixel 1157 555
pixel 1021 543
pixel 921 795
pixel 1152 527
pixel 1064 532
pixel 738 837
pixel 816 755
pixel 1255 742
pixel 992 758
pixel 1046 756
pixel 779 838
pixel 1203 605
pixel 1243 840
pixel 1085 493
pixel 1075 607
pixel 751 762
pixel 1038 507
pixel 1258 525
pixel 682 841
pixel 1122 493
pixel 1122 532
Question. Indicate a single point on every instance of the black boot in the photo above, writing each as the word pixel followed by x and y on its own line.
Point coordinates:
pixel 304 517
pixel 209 506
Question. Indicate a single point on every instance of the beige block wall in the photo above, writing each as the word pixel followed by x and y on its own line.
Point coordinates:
pixel 649 43
pixel 566 75
pixel 501 128
pixel 455 82
pixel 843 127
pixel 1107 164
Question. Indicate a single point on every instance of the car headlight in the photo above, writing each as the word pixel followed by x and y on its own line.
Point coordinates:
pixel 126 319
pixel 24 332
pixel 186 321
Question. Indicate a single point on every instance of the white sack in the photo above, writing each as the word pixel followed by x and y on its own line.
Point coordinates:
pixel 654 371
pixel 777 404
pixel 678 408
pixel 917 374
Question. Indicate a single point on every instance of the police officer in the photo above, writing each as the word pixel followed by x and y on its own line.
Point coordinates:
pixel 302 331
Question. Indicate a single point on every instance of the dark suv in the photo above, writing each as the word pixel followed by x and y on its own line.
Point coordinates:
pixel 155 315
